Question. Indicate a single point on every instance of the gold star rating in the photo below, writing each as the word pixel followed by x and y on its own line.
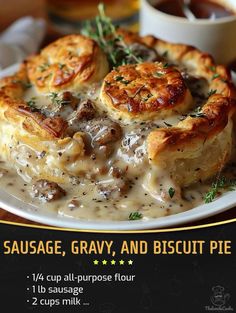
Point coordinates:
pixel 113 262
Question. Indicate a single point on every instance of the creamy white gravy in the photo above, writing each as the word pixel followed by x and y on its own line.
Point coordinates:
pixel 83 202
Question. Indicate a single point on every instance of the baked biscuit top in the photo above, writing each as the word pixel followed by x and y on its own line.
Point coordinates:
pixel 72 62
pixel 145 91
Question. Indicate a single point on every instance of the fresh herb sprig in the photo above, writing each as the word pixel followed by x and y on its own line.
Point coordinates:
pixel 57 100
pixel 24 84
pixel 212 92
pixel 198 114
pixel 171 192
pixel 43 67
pixel 168 124
pixel 32 103
pixel 135 216
pixel 218 186
pixel 105 34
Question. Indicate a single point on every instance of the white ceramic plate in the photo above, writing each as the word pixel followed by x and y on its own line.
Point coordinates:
pixel 15 206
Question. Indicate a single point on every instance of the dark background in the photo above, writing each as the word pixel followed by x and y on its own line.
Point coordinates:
pixel 164 283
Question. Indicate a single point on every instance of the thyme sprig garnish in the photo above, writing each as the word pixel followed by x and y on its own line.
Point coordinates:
pixel 135 216
pixel 198 114
pixel 171 192
pixel 61 66
pixel 105 34
pixel 165 54
pixel 57 99
pixel 32 103
pixel 122 80
pixel 43 67
pixel 216 75
pixel 212 92
pixel 25 84
pixel 158 74
pixel 218 186
pixel 168 124
pixel 166 65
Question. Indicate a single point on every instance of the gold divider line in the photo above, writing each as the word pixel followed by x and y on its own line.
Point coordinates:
pixel 164 230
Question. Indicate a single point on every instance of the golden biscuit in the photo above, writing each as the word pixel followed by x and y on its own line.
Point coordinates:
pixel 202 141
pixel 145 91
pixel 72 62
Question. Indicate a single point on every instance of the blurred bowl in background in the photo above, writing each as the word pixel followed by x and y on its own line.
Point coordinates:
pixel 215 36
pixel 69 16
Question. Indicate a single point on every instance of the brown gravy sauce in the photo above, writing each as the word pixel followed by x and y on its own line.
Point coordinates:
pixel 202 9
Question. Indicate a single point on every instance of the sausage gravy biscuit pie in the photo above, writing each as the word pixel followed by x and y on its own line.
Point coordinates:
pixel 111 126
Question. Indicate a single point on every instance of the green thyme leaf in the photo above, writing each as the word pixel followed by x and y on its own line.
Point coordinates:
pixel 32 102
pixel 125 82
pixel 158 74
pixel 212 68
pixel 122 80
pixel 135 216
pixel 43 67
pixel 147 97
pixel 167 124
pixel 166 65
pixel 61 66
pixel 212 92
pixel 165 54
pixel 119 78
pixel 57 100
pixel 196 115
pixel 216 75
pixel 25 84
pixel 171 192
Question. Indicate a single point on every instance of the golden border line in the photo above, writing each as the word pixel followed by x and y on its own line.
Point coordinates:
pixel 148 231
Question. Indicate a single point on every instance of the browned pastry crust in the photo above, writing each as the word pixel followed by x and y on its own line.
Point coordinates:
pixel 15 110
pixel 191 138
pixel 70 62
pixel 216 114
pixel 196 148
pixel 145 91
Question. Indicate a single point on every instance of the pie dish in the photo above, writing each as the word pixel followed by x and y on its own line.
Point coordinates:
pixel 139 141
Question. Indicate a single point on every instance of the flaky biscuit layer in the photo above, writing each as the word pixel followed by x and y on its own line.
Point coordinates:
pixel 145 91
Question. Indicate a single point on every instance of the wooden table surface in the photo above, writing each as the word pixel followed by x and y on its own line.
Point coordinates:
pixel 10 11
